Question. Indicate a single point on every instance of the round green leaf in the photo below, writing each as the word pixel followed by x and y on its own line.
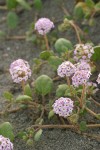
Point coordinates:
pixel 61 90
pixel 23 98
pixel 83 126
pixel 27 90
pixel 11 4
pixel 12 20
pixel 55 61
pixel 6 130
pixel 38 135
pixel 43 84
pixel 45 55
pixel 62 45
pixel 96 55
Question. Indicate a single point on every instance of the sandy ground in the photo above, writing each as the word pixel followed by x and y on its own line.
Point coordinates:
pixel 11 50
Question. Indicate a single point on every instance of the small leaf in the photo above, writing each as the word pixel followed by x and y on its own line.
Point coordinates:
pixel 11 4
pixel 61 90
pixel 90 3
pixel 8 96
pixel 79 10
pixel 29 142
pixel 96 55
pixel 6 130
pixel 45 55
pixel 62 45
pixel 97 6
pixel 39 121
pixel 12 20
pixel 83 126
pixel 23 98
pixel 38 4
pixel 54 61
pixel 27 90
pixel 51 114
pixel 73 118
pixel 38 135
pixel 24 4
pixel 43 84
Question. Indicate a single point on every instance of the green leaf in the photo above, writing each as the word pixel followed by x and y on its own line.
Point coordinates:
pixel 38 135
pixel 27 90
pixel 38 4
pixel 23 98
pixel 79 10
pixel 6 130
pixel 11 4
pixel 24 4
pixel 51 114
pixel 45 55
pixel 97 6
pixel 55 61
pixel 62 45
pixel 43 84
pixel 73 118
pixel 96 55
pixel 8 96
pixel 29 142
pixel 61 90
pixel 90 3
pixel 12 20
pixel 39 121
pixel 83 126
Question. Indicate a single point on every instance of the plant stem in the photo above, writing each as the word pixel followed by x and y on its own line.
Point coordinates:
pixel 22 37
pixel 46 42
pixel 69 85
pixel 91 112
pixel 64 126
pixel 83 96
pixel 98 104
pixel 76 30
pixel 23 85
pixel 43 100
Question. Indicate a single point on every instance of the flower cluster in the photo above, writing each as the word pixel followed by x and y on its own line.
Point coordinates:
pixel 63 107
pixel 5 143
pixel 98 79
pixel 44 25
pixel 20 70
pixel 66 69
pixel 83 52
pixel 83 66
pixel 80 77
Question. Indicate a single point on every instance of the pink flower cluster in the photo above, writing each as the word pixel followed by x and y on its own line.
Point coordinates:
pixel 5 143
pixel 44 25
pixel 20 70
pixel 83 66
pixel 83 52
pixel 66 69
pixel 80 77
pixel 63 107
pixel 98 79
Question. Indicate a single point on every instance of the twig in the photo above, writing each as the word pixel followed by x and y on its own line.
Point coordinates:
pixel 46 42
pixel 91 112
pixel 3 7
pixel 98 104
pixel 16 37
pixel 93 136
pixel 64 126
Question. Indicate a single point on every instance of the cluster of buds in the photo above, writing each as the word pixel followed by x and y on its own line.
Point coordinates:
pixel 43 26
pixel 20 71
pixel 5 143
pixel 63 107
pixel 83 52
pixel 66 69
